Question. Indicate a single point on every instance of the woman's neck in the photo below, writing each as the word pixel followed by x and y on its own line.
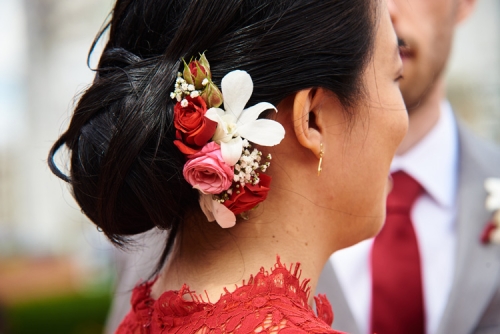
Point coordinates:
pixel 209 258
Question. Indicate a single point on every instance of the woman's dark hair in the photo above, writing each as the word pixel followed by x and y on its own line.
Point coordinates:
pixel 125 171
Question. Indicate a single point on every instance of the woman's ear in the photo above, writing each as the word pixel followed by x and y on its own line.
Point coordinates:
pixel 307 121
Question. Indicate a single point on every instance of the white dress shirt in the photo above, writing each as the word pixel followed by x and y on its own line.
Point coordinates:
pixel 433 162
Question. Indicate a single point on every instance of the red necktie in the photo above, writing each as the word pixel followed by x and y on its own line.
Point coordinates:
pixel 397 299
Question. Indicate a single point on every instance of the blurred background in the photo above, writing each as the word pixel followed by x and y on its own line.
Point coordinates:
pixel 56 269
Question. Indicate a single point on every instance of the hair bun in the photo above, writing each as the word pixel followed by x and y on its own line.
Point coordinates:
pixel 126 173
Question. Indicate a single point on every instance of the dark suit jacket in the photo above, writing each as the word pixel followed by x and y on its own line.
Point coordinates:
pixel 474 302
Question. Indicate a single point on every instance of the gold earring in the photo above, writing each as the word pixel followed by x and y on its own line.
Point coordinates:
pixel 321 152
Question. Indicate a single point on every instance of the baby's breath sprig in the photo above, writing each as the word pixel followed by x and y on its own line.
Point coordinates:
pixel 183 89
pixel 246 171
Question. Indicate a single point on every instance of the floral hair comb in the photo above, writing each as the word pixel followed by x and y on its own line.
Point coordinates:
pixel 221 161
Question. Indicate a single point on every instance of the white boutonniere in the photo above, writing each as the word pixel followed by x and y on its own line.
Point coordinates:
pixel 491 233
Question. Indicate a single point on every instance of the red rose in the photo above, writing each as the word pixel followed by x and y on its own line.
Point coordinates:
pixel 196 71
pixel 193 129
pixel 195 65
pixel 249 196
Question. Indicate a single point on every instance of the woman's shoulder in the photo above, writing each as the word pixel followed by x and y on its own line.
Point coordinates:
pixel 272 301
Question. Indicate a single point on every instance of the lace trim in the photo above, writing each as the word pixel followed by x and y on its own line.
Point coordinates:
pixel 269 302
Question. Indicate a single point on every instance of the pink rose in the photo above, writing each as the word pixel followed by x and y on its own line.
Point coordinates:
pixel 207 171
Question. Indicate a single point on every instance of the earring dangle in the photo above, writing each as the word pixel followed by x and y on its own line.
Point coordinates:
pixel 321 152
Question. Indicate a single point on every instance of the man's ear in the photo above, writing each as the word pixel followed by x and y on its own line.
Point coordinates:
pixel 464 9
pixel 307 120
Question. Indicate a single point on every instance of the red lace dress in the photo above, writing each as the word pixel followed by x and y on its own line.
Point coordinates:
pixel 268 303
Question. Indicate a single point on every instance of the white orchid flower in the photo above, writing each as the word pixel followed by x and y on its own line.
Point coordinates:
pixel 492 186
pixel 235 123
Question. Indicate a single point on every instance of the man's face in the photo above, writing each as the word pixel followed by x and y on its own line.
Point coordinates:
pixel 426 27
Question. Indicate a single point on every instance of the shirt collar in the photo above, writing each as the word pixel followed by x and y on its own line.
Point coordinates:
pixel 433 161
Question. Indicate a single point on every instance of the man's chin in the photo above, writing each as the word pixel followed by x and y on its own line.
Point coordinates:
pixel 413 101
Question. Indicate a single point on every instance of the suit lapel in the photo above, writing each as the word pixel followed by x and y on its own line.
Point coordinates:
pixel 329 284
pixel 477 266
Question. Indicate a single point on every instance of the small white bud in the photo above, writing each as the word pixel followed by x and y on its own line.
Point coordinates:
pixel 190 88
pixel 204 82
pixel 184 103
pixel 194 94
pixel 173 95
